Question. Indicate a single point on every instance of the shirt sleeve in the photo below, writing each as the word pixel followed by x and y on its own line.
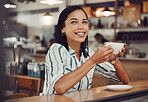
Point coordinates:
pixel 107 70
pixel 54 68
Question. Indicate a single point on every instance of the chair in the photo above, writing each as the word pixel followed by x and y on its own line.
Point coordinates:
pixel 19 82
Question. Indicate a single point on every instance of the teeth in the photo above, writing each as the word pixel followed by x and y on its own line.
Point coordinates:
pixel 80 33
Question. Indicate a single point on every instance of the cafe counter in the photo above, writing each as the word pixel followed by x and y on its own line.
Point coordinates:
pixel 139 88
pixel 134 58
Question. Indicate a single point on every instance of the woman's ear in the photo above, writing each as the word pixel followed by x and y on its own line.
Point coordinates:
pixel 63 30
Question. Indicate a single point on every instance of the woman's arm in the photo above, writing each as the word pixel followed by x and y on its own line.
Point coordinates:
pixel 120 69
pixel 70 79
pixel 121 72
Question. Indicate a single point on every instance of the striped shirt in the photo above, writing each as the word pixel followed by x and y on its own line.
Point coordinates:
pixel 60 61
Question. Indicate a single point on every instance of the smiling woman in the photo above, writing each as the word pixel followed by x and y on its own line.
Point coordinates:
pixel 61 26
pixel 70 63
pixel 76 27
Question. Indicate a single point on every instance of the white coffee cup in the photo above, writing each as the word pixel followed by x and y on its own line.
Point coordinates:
pixel 116 46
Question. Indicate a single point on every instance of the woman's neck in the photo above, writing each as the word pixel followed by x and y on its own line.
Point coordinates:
pixel 76 47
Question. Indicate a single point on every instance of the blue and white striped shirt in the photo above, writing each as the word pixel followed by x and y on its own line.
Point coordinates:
pixel 60 61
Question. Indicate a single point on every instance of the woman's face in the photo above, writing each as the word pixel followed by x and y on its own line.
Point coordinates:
pixel 76 27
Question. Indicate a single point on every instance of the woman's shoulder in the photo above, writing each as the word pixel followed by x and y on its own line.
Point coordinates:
pixel 56 46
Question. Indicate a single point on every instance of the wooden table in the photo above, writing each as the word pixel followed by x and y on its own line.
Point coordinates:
pixel 85 95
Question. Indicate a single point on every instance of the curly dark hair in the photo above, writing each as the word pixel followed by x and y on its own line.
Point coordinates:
pixel 61 39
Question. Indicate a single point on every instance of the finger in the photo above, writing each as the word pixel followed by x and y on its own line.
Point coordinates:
pixel 108 57
pixel 124 44
pixel 108 47
pixel 109 52
pixel 104 46
pixel 106 43
pixel 116 55
pixel 123 50
pixel 113 57
pixel 120 53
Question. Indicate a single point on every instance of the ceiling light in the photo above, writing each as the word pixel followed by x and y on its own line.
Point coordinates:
pixel 47 19
pixel 9 4
pixel 108 12
pixel 47 14
pixel 100 12
pixel 51 2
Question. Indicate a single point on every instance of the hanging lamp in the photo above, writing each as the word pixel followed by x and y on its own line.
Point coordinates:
pixel 9 4
pixel 108 12
pixel 51 2
pixel 47 19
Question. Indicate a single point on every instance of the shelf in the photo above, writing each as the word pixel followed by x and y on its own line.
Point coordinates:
pixel 119 14
pixel 145 13
pixel 101 28
pixel 122 28
pixel 132 27
pixel 101 17
pixel 134 59
pixel 132 41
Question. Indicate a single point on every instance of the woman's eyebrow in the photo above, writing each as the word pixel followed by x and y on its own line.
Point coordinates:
pixel 85 19
pixel 73 19
pixel 76 19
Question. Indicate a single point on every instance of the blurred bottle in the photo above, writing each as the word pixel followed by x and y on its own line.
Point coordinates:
pixel 99 25
pixel 139 21
pixel 126 3
pixel 145 21
pixel 38 73
pixel 29 69
pixel 42 71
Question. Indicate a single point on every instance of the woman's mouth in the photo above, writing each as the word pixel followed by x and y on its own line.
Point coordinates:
pixel 81 34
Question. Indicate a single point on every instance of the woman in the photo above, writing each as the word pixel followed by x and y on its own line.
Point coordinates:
pixel 70 63
pixel 99 42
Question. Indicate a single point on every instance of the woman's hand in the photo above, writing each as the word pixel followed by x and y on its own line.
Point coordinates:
pixel 119 54
pixel 103 54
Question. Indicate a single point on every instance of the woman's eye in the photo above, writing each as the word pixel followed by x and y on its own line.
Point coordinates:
pixel 73 22
pixel 85 22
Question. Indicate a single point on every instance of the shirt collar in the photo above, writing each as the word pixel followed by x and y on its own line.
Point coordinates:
pixel 71 51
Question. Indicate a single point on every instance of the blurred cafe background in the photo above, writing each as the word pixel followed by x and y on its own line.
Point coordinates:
pixel 28 28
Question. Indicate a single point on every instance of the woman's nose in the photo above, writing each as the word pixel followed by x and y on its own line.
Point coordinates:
pixel 81 26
